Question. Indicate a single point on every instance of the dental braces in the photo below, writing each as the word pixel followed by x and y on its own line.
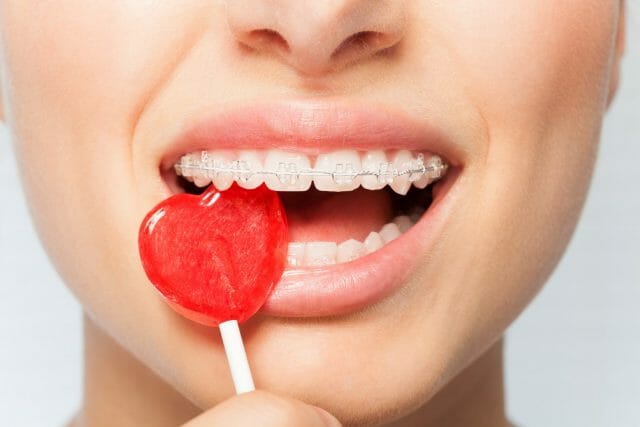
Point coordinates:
pixel 288 173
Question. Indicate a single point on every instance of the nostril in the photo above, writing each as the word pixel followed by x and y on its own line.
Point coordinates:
pixel 358 43
pixel 267 38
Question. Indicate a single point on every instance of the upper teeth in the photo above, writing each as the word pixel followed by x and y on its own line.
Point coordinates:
pixel 341 170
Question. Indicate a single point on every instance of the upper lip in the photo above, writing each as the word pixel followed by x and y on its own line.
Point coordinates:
pixel 311 127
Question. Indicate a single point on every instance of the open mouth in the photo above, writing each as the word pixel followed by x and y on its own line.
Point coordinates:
pixel 365 193
pixel 341 205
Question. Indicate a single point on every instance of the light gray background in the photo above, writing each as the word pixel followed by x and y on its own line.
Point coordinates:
pixel 573 357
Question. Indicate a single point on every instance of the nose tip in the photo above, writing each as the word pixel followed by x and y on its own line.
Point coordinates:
pixel 317 37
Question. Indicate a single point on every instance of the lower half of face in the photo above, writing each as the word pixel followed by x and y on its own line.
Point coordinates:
pixel 402 271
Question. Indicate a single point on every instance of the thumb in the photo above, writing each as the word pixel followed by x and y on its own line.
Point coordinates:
pixel 263 409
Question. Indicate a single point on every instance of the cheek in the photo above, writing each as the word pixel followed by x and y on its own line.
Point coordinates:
pixel 539 76
pixel 528 60
pixel 76 75
pixel 81 59
pixel 536 72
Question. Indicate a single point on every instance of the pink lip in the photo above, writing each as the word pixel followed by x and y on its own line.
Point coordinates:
pixel 313 127
pixel 349 287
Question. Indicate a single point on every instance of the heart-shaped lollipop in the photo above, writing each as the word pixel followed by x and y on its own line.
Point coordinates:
pixel 217 256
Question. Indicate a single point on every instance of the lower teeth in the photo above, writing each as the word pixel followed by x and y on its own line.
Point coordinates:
pixel 313 254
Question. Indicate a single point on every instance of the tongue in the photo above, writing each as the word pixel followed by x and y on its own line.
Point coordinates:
pixel 316 216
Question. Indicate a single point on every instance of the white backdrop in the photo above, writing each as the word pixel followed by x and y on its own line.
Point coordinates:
pixel 573 357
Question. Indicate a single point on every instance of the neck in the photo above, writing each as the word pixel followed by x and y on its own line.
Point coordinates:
pixel 120 390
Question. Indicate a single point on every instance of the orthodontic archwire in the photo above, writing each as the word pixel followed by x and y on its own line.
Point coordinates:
pixel 344 173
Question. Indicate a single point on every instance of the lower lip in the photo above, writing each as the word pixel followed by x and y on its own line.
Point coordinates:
pixel 345 288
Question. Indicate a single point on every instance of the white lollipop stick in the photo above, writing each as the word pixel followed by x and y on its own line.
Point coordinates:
pixel 236 356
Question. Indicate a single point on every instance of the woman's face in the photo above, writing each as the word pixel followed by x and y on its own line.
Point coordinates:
pixel 99 95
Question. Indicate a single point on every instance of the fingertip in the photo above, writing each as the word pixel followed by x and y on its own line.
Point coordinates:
pixel 327 418
pixel 264 409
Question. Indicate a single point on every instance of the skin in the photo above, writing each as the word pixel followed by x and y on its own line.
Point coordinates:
pixel 91 88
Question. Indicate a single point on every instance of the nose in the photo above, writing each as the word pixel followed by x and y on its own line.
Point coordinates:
pixel 317 36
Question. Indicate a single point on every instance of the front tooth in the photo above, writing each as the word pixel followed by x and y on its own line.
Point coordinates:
pixel 373 242
pixel 371 161
pixel 403 222
pixel 295 254
pixel 225 160
pixel 343 167
pixel 284 171
pixel 389 232
pixel 402 161
pixel 320 253
pixel 350 250
pixel 201 181
pixel 248 163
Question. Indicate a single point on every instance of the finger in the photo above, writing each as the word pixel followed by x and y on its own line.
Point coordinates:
pixel 263 409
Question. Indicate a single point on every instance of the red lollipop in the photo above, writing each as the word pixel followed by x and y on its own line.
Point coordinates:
pixel 216 257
